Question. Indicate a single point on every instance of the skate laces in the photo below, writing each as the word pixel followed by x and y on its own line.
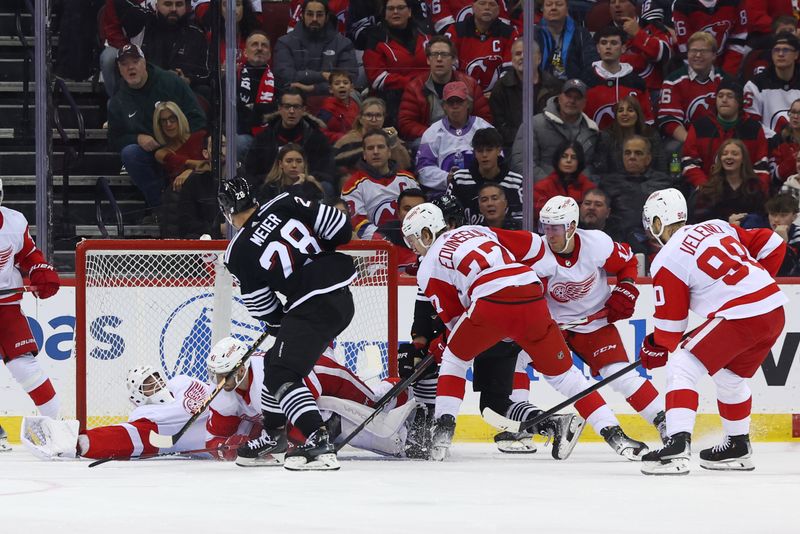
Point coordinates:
pixel 722 446
pixel 261 441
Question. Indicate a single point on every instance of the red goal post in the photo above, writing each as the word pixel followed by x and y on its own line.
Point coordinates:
pixel 165 302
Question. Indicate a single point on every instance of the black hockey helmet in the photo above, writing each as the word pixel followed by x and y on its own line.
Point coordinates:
pixel 452 210
pixel 234 197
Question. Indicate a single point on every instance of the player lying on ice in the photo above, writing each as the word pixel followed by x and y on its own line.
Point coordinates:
pixel 725 274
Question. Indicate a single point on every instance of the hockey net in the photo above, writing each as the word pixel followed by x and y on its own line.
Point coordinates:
pixel 164 303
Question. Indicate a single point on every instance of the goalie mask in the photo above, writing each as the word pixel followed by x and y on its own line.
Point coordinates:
pixel 559 212
pixel 145 386
pixel 223 358
pixel 669 205
pixel 425 216
pixel 235 197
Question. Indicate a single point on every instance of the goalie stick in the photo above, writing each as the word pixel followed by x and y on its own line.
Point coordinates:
pixel 163 441
pixel 383 401
pixel 101 461
pixel 13 290
pixel 504 423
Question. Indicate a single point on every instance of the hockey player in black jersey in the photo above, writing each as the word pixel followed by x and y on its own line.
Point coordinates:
pixel 287 246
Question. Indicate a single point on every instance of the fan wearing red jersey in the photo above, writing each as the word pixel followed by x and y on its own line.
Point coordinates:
pixel 479 287
pixel 19 257
pixel 725 274
pixel 575 265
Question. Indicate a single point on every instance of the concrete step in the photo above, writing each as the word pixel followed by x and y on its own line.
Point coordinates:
pixel 24 163
pixel 72 133
pixel 93 116
pixel 81 211
pixel 81 180
pixel 74 87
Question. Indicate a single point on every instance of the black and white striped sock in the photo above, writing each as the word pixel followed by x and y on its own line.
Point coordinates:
pixel 271 411
pixel 300 408
pixel 425 390
pixel 522 411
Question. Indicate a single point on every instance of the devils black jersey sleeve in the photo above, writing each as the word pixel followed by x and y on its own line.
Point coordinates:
pixel 287 247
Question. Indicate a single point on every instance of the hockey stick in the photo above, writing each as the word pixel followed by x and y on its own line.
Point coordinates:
pixel 101 461
pixel 383 401
pixel 586 320
pixel 504 423
pixel 13 290
pixel 163 441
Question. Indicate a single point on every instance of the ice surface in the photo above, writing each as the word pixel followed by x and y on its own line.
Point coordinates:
pixel 477 490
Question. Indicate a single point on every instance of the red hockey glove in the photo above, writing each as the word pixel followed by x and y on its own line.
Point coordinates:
pixel 437 347
pixel 622 302
pixel 227 451
pixel 45 278
pixel 652 355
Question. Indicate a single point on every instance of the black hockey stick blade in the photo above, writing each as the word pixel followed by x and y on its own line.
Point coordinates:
pixel 101 461
pixel 165 441
pixel 392 393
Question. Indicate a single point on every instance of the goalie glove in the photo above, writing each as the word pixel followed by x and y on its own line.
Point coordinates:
pixel 622 302
pixel 652 355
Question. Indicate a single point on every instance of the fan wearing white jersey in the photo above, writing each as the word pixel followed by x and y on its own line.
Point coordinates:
pixel 576 264
pixel 484 293
pixel 725 274
pixel 246 416
pixel 160 406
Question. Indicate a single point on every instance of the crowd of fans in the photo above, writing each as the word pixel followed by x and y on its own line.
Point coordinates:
pixel 380 104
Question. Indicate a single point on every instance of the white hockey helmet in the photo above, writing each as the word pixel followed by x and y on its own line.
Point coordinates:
pixel 669 205
pixel 423 216
pixel 561 210
pixel 225 355
pixel 156 392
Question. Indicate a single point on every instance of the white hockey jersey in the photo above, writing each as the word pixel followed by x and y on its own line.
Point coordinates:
pixel 577 285
pixel 715 270
pixel 768 98
pixel 471 262
pixel 373 201
pixel 15 246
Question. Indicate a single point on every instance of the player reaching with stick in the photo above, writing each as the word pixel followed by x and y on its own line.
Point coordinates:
pixel 725 274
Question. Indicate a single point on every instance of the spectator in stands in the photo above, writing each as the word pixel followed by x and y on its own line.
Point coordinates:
pixel 364 15
pixel 249 18
pixel 648 48
pixel 784 155
pixel 306 56
pixel 198 211
pixel 340 110
pixel 447 145
pixel 769 95
pixel 761 14
pixel 628 121
pixel 563 119
pixel 567 178
pixel 293 125
pixel 349 148
pixel 782 211
pixel 760 58
pixel 337 14
pixel 130 117
pixel 390 231
pixel 792 184
pixel 181 149
pixel 608 80
pixel 689 92
pixel 629 190
pixel 595 210
pixel 493 208
pixel 371 191
pixel 567 48
pixel 506 98
pixel 487 167
pixel 483 42
pixel 726 21
pixel 421 105
pixel 170 40
pixel 394 54
pixel 256 93
pixel 289 172
pixel 708 132
pixel 732 191
pixel 116 38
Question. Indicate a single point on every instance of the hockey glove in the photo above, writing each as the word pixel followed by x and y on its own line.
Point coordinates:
pixel 437 347
pixel 622 302
pixel 408 357
pixel 227 450
pixel 45 278
pixel 652 355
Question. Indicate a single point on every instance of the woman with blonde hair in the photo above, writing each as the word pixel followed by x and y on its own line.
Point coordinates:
pixel 180 148
pixel 628 121
pixel 290 172
pixel 732 192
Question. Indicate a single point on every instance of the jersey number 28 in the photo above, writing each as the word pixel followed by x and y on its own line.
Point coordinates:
pixel 294 234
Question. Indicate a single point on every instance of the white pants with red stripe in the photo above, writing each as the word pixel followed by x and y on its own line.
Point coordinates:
pixel 27 371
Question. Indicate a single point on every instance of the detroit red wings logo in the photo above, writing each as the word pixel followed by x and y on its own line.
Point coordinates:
pixel 564 292
pixel 5 255
pixel 193 397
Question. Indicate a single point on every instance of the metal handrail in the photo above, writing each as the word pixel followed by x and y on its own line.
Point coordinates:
pixel 103 189
pixel 71 156
pixel 27 59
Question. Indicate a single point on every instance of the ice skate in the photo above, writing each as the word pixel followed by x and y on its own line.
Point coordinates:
pixel 622 444
pixel 442 437
pixel 733 454
pixel 660 422
pixel 673 459
pixel 316 454
pixel 4 446
pixel 418 441
pixel 267 449
pixel 564 430
pixel 515 442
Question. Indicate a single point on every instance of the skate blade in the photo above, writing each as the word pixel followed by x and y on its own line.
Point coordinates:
pixel 675 467
pixel 323 462
pixel 438 454
pixel 737 464
pixel 516 446
pixel 269 460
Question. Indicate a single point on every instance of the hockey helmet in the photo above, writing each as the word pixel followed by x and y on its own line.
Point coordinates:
pixel 423 216
pixel 669 205
pixel 224 356
pixel 235 197
pixel 452 210
pixel 561 211
pixel 153 392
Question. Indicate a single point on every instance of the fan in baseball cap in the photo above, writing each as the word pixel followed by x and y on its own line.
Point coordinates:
pixel 129 50
pixel 574 85
pixel 455 90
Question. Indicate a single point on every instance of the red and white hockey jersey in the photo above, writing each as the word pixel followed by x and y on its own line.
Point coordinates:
pixel 684 98
pixel 647 52
pixel 725 20
pixel 577 285
pixel 372 201
pixel 715 270
pixel 768 99
pixel 484 56
pixel 447 12
pixel 17 252
pixel 132 438
pixel 605 89
pixel 471 262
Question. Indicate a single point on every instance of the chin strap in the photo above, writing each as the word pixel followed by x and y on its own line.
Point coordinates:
pixel 567 242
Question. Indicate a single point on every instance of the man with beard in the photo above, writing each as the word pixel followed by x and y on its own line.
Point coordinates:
pixel 595 210
pixel 305 57
pixel 170 41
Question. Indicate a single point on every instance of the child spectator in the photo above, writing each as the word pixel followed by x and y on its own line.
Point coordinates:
pixel 782 210
pixel 340 111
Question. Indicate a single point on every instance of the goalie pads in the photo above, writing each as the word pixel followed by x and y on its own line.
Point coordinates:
pixel 50 439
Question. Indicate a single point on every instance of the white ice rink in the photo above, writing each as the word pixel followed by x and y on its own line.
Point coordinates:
pixel 477 490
